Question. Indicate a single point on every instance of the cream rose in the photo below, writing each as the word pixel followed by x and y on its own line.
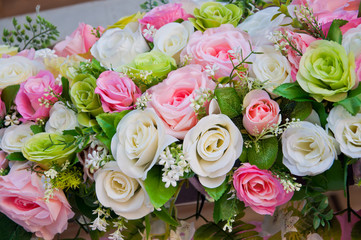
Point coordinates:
pixel 271 68
pixel 61 118
pixel 308 149
pixel 15 136
pixel 117 47
pixel 212 147
pixel 351 41
pixel 347 130
pixel 172 38
pixel 15 70
pixel 124 195
pixel 138 142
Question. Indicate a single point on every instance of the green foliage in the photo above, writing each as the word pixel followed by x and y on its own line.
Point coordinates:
pixel 334 33
pixel 11 231
pixel 133 230
pixel 353 101
pixel 150 4
pixel 109 122
pixel 247 5
pixel 216 193
pixel 8 95
pixel 16 156
pixel 36 35
pixel 93 68
pixel 227 207
pixel 229 101
pixel 164 215
pixel 37 128
pixel 292 91
pixel 213 231
pixel 156 189
pixel 263 153
pixel 82 200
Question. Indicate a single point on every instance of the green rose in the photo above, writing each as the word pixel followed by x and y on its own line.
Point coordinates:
pixel 213 14
pixel 326 72
pixel 46 148
pixel 83 96
pixel 148 69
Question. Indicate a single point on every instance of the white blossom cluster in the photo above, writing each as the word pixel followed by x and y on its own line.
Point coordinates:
pixel 142 101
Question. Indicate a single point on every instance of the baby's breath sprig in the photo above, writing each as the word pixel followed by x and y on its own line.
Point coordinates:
pixel 119 224
pixel 100 222
pixel 288 181
pixel 284 42
pixel 174 164
pixel 308 21
pixel 142 101
pixel 202 96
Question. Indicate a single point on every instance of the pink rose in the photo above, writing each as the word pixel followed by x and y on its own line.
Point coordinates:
pixel 22 200
pixel 358 69
pixel 117 93
pixel 33 100
pixel 3 161
pixel 213 48
pixel 261 112
pixel 79 42
pixel 160 16
pixel 301 41
pixel 259 189
pixel 171 98
pixel 354 23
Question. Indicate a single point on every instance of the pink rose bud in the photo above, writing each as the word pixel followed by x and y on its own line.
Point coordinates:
pixel 79 42
pixel 22 200
pixel 261 112
pixel 34 98
pixel 259 189
pixel 117 92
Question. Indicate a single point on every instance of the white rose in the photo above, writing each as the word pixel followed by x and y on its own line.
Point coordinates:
pixel 61 118
pixel 271 68
pixel 138 142
pixel 259 25
pixel 124 195
pixel 308 149
pixel 347 130
pixel 117 47
pixel 15 136
pixel 172 38
pixel 15 70
pixel 211 148
pixel 351 41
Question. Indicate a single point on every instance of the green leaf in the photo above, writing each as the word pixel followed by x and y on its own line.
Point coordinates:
pixel 229 101
pixel 11 231
pixel 353 101
pixel 133 229
pixel 301 110
pixel 156 189
pixel 216 193
pixel 164 215
pixel 109 122
pixel 37 128
pixel 8 95
pixel 292 91
pixel 147 225
pixel 104 139
pixel 316 222
pixel 65 92
pixel 334 33
pixel 227 207
pixel 321 111
pixel 16 156
pixel 264 154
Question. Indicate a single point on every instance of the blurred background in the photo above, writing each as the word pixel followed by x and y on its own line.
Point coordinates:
pixel 67 14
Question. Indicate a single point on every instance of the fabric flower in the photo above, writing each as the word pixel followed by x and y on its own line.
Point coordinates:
pixel 117 92
pixel 124 195
pixel 261 112
pixel 259 189
pixel 171 98
pixel 15 136
pixel 79 42
pixel 212 147
pixel 22 200
pixel 307 149
pixel 138 142
pixel 34 98
pixel 61 118
pixel 213 47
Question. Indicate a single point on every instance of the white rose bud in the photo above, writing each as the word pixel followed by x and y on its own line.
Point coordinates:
pixel 61 118
pixel 172 38
pixel 138 142
pixel 15 70
pixel 308 149
pixel 347 130
pixel 212 147
pixel 124 195
pixel 15 136
pixel 271 68
pixel 117 47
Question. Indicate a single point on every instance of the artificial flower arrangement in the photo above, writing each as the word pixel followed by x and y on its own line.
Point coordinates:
pixel 257 103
